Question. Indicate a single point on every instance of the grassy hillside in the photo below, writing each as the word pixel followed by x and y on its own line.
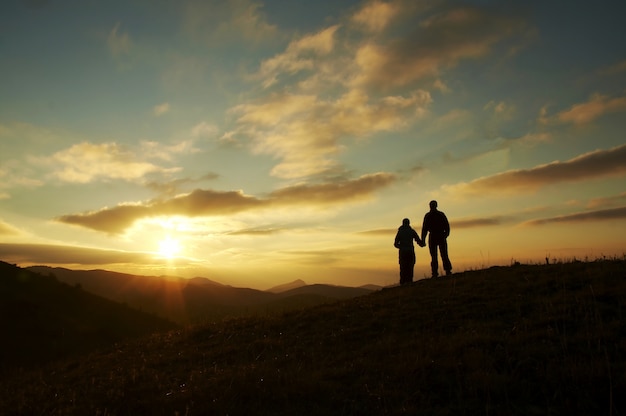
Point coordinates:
pixel 520 340
pixel 43 319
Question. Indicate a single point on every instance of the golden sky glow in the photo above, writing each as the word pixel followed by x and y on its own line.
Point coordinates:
pixel 260 142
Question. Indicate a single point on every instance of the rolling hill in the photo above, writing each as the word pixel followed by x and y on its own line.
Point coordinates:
pixel 519 340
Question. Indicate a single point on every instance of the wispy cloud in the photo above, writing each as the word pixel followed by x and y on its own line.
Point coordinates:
pixel 215 203
pixel 161 109
pixel 609 201
pixel 478 222
pixel 597 106
pixel 63 254
pixel 8 229
pixel 86 162
pixel 596 164
pixel 301 54
pixel 330 193
pixel 376 15
pixel 119 42
pixel 599 215
pixel 227 21
pixel 379 232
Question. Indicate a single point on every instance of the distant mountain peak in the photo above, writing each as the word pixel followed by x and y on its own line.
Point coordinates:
pixel 287 286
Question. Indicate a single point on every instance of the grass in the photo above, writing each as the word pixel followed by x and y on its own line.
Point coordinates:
pixel 519 340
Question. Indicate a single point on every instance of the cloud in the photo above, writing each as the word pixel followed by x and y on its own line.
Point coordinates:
pixel 63 255
pixel 386 232
pixel 599 215
pixel 197 203
pixel 8 229
pixel 119 43
pixel 616 68
pixel 300 55
pixel 330 193
pixel 200 202
pixel 173 187
pixel 86 162
pixel 161 109
pixel 224 21
pixel 597 106
pixel 438 42
pixel 478 222
pixel 305 131
pixel 158 150
pixel 376 15
pixel 596 164
pixel 607 201
pixel 256 231
pixel 204 130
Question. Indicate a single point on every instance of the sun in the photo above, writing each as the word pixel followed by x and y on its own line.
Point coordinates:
pixel 169 247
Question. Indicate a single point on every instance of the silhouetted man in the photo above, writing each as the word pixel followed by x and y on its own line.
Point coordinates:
pixel 437 226
pixel 406 253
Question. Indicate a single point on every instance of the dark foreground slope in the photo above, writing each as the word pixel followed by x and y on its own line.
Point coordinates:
pixel 42 320
pixel 518 340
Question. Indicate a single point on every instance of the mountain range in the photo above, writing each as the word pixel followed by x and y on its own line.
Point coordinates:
pixel 198 299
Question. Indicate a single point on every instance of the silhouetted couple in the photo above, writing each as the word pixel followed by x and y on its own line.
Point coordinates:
pixel 437 227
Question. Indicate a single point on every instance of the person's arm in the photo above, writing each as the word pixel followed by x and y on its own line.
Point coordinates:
pixel 396 242
pixel 425 227
pixel 418 239
pixel 445 219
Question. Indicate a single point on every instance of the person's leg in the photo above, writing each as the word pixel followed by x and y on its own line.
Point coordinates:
pixel 434 264
pixel 410 265
pixel 406 266
pixel 443 248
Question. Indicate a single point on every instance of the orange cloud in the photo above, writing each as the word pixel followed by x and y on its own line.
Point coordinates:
pixel 596 164
pixel 600 215
pixel 329 193
pixel 214 203
pixel 596 107
pixel 478 222
pixel 57 254
pixel 607 201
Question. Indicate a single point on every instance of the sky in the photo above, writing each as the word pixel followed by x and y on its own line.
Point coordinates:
pixel 259 142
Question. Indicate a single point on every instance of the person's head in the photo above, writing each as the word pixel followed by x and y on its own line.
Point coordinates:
pixel 406 222
pixel 433 205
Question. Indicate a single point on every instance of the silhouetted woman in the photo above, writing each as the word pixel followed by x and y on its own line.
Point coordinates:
pixel 406 253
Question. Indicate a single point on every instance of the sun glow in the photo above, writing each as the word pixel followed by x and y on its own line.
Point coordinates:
pixel 169 247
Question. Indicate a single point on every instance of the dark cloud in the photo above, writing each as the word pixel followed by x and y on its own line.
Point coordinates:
pixel 379 232
pixel 174 187
pixel 477 222
pixel 211 203
pixel 57 254
pixel 329 193
pixel 596 164
pixel 609 201
pixel 600 215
